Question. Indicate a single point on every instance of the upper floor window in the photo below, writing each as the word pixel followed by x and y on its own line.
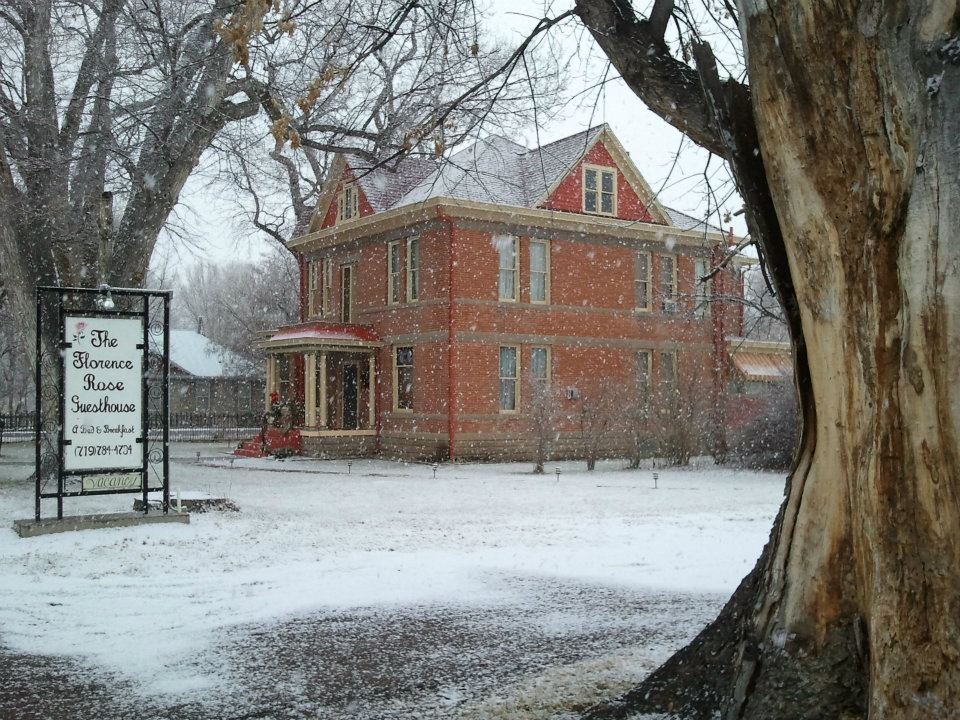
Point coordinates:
pixel 413 269
pixel 313 288
pixel 326 300
pixel 599 190
pixel 668 283
pixel 348 204
pixel 394 273
pixel 704 289
pixel 346 293
pixel 642 280
pixel 539 271
pixel 319 279
pixel 509 266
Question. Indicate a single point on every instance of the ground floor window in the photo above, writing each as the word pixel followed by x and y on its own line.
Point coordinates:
pixel 509 374
pixel 403 379
pixel 540 365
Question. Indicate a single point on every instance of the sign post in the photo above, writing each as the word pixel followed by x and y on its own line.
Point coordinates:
pixel 102 406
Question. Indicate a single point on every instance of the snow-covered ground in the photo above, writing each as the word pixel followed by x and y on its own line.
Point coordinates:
pixel 487 592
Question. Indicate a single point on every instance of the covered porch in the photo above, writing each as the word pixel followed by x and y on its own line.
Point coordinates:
pixel 326 373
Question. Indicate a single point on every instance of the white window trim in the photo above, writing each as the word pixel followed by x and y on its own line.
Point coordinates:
pixel 546 277
pixel 648 306
pixel 326 291
pixel 393 250
pixel 516 273
pixel 676 286
pixel 396 379
pixel 549 367
pixel 703 291
pixel 348 316
pixel 516 379
pixel 312 271
pixel 600 169
pixel 676 369
pixel 411 285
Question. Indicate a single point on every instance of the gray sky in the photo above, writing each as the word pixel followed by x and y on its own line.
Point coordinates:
pixel 651 142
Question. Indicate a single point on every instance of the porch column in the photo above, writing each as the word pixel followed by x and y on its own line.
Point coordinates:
pixel 310 389
pixel 323 390
pixel 372 390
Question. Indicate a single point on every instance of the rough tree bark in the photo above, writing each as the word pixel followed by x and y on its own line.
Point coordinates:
pixel 846 147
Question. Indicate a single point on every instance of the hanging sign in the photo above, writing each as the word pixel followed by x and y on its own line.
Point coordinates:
pixel 103 399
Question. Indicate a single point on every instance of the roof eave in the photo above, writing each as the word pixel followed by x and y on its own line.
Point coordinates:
pixel 438 208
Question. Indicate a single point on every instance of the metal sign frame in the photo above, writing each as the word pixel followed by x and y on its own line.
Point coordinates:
pixel 152 308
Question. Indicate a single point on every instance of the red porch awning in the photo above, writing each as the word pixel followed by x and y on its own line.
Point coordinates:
pixel 322 334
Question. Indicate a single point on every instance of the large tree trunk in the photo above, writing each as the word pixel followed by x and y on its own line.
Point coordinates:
pixel 853 610
pixel 859 122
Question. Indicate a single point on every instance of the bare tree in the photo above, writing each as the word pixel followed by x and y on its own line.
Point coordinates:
pixel 545 418
pixel 839 122
pixel 107 107
pixel 233 304
pixel 600 410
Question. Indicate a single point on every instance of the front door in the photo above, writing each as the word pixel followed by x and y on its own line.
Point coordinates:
pixel 350 396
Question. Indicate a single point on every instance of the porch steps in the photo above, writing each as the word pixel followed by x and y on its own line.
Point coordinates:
pixel 271 442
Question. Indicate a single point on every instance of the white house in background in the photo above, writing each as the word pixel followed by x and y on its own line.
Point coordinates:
pixel 208 378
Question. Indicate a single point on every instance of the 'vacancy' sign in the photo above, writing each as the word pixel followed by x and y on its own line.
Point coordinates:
pixel 103 386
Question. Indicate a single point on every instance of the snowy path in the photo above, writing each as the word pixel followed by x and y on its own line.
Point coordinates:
pixel 379 594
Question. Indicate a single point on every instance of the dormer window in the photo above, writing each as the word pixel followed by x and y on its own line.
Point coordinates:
pixel 599 190
pixel 348 205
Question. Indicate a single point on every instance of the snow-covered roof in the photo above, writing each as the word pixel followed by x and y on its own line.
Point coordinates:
pixel 319 332
pixel 688 222
pixel 493 170
pixel 199 356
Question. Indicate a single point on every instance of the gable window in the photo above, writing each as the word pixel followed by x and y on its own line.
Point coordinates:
pixel 403 379
pixel 394 273
pixel 642 280
pixel 509 375
pixel 668 283
pixel 348 205
pixel 346 293
pixel 539 271
pixel 704 289
pixel 540 365
pixel 413 269
pixel 326 300
pixel 509 266
pixel 599 190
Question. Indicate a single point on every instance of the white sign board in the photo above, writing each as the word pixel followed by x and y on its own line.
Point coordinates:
pixel 103 386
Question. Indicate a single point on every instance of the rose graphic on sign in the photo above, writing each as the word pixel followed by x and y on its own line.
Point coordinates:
pixel 78 335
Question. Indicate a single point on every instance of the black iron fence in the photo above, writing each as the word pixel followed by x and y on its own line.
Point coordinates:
pixel 194 427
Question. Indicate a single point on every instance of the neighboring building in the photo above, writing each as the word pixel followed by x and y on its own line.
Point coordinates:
pixel 208 379
pixel 439 301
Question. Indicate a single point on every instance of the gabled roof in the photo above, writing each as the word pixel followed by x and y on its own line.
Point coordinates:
pixel 493 170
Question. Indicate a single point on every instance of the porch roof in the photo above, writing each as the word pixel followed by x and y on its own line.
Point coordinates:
pixel 322 335
pixel 761 361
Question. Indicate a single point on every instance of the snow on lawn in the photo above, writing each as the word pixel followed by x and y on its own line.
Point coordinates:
pixel 146 602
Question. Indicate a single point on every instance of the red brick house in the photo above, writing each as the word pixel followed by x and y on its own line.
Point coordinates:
pixel 440 300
